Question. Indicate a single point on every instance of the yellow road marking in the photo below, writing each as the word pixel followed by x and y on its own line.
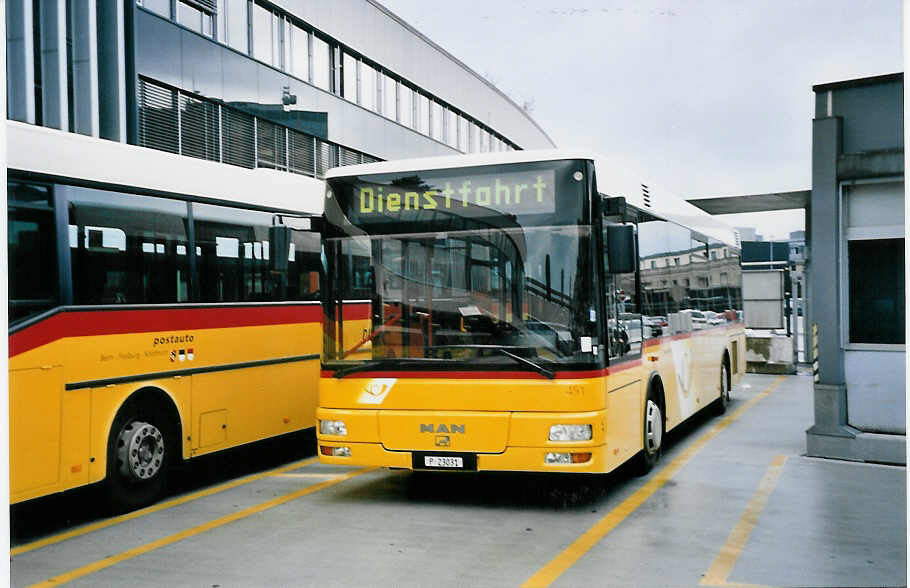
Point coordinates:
pixel 156 507
pixel 733 548
pixel 303 475
pixel 559 564
pixel 219 522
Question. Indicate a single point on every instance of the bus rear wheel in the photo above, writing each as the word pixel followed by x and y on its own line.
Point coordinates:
pixel 652 435
pixel 720 405
pixel 140 453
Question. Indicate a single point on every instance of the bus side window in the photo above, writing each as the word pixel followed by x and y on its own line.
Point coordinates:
pixel 32 250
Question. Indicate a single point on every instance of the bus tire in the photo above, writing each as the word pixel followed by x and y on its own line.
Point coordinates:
pixel 141 449
pixel 653 428
pixel 720 404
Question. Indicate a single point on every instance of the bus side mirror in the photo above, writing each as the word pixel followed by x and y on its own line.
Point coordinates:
pixel 621 249
pixel 279 245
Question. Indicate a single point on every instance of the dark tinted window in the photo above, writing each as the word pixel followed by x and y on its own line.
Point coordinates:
pixel 877 291
pixel 32 250
pixel 232 255
pixel 127 249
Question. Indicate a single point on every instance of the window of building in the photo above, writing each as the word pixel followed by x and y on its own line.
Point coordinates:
pixel 462 134
pixel 367 86
pixel 451 128
pixel 405 105
pixel 653 265
pixel 675 261
pixel 159 7
pixel 876 291
pixel 474 138
pixel 484 141
pixel 436 120
pixel 264 40
pixel 349 83
pixel 194 19
pixel 233 26
pixel 389 97
pixel 299 52
pixel 423 114
pixel 321 64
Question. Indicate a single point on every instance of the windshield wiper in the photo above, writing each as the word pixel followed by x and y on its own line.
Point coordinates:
pixel 504 350
pixel 534 366
pixel 384 362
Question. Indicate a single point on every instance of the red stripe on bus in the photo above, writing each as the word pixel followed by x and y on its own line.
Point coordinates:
pixel 166 321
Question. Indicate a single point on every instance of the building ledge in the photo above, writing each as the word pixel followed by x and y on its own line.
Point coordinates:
pixel 870 164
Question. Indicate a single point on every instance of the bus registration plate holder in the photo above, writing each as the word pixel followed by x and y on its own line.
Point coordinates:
pixel 444 461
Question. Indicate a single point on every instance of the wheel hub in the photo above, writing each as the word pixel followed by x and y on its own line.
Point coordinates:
pixel 653 427
pixel 140 451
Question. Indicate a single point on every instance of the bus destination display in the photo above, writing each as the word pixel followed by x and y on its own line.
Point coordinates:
pixel 516 193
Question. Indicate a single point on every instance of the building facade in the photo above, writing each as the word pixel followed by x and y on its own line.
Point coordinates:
pixel 855 267
pixel 294 85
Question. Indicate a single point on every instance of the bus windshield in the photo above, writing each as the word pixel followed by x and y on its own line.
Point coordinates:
pixel 468 269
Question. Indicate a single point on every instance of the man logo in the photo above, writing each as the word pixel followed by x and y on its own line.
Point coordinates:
pixel 442 429
pixel 443 441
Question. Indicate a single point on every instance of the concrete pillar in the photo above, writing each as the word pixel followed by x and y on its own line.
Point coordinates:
pixel 830 436
pixel 54 101
pixel 20 61
pixel 112 71
pixel 83 30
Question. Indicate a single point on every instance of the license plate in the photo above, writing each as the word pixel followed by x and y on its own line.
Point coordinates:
pixel 438 461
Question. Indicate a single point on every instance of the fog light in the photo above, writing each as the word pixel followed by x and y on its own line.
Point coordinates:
pixel 567 458
pixel 570 433
pixel 332 428
pixel 335 451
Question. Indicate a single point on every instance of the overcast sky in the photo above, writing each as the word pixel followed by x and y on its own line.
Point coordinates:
pixel 705 97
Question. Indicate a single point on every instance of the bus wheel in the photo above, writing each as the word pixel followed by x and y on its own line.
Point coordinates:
pixel 140 451
pixel 653 432
pixel 720 405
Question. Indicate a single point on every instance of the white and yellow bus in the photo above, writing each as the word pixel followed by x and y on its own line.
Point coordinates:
pixel 160 308
pixel 528 311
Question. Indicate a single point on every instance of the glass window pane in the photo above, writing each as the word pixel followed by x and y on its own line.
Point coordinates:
pixel 462 134
pixel 300 53
pixel 405 105
pixel 876 277
pixel 484 141
pixel 128 249
pixel 321 65
pixel 32 252
pixel 451 128
pixel 233 255
pixel 304 263
pixel 474 139
pixel 390 97
pixel 189 17
pixel 262 34
pixel 235 15
pixel 436 114
pixel 349 68
pixel 367 86
pixel 160 7
pixel 423 114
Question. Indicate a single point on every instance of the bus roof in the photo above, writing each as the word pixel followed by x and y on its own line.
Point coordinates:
pixel 69 156
pixel 612 180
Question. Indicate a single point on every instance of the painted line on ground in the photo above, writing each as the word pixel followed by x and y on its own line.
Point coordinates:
pixel 562 562
pixel 723 564
pixel 305 475
pixel 198 529
pixel 156 507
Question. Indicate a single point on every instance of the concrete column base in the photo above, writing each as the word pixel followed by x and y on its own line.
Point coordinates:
pixel 853 445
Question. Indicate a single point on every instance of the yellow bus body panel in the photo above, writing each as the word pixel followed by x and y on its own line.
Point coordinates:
pixel 506 420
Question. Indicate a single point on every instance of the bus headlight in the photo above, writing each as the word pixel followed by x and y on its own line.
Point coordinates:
pixel 332 428
pixel 570 433
pixel 566 458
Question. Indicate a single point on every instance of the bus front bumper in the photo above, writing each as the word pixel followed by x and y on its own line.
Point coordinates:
pixel 580 459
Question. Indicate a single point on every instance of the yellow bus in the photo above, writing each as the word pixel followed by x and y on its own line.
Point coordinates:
pixel 160 307
pixel 529 311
